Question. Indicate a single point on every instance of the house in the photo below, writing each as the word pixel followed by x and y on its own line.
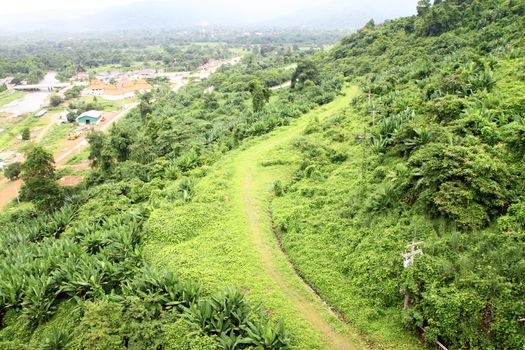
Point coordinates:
pixel 124 88
pixel 89 118
pixel 96 88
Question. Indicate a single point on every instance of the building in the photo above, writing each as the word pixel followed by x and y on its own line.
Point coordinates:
pixel 89 118
pixel 96 88
pixel 124 88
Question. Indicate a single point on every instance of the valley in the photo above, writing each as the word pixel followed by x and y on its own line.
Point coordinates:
pixel 211 187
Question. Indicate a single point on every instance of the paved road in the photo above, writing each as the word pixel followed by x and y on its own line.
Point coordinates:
pixel 32 101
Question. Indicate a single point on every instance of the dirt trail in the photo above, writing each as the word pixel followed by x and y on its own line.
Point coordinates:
pixel 302 297
pixel 308 310
pixel 46 129
pixel 8 193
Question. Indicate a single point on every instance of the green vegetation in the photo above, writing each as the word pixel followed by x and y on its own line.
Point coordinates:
pixel 260 95
pixel 13 129
pixel 72 93
pixel 40 187
pixel 26 134
pixel 55 100
pixel 103 289
pixel 10 96
pixel 55 139
pixel 173 240
pixel 26 59
pixel 429 153
pixel 12 171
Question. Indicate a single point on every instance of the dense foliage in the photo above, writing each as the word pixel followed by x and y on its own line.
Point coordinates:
pixel 72 267
pixel 439 159
pixel 180 132
pixel 431 150
pixel 28 59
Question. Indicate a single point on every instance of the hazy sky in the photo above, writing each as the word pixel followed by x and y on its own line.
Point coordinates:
pixel 57 14
pixel 23 6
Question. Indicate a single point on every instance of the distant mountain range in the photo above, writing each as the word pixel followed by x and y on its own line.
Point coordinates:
pixel 168 15
pixel 351 14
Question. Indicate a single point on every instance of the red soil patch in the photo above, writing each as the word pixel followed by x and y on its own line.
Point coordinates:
pixel 70 180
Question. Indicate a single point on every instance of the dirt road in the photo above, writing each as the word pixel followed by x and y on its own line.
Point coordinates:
pixel 10 191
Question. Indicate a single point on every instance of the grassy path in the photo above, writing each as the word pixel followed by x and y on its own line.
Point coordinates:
pixel 234 243
pixel 256 182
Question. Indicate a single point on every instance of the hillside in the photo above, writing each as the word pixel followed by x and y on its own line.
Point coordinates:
pixel 152 251
pixel 434 154
pixel 270 205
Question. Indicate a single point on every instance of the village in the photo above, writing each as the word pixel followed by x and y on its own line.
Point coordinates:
pixel 59 115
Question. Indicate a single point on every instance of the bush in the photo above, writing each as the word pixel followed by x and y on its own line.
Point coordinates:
pixel 467 184
pixel 26 134
pixel 55 100
pixel 12 171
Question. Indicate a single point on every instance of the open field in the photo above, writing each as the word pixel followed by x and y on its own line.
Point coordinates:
pixel 106 105
pixel 9 138
pixel 9 96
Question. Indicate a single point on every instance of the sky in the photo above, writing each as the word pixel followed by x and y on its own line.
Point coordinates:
pixel 33 15
pixel 25 6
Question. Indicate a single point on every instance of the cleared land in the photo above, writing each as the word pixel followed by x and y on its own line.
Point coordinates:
pixel 226 239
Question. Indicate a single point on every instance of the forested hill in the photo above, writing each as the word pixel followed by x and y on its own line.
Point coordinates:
pixel 433 152
pixel 429 150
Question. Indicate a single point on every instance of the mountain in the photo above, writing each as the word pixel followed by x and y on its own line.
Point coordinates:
pixel 183 14
pixel 344 14
pixel 157 15
pixel 140 15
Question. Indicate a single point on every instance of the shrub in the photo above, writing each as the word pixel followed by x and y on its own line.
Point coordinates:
pixel 26 134
pixel 467 184
pixel 55 100
pixel 12 171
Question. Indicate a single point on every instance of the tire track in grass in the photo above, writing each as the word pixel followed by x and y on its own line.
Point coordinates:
pixel 335 333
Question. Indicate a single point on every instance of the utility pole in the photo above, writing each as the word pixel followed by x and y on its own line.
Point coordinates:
pixel 414 249
pixel 372 109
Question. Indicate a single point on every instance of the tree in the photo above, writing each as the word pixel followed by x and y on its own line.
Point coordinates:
pixel 210 102
pixel 38 173
pixel 422 7
pixel 55 100
pixel 260 95
pixel 145 107
pixel 72 93
pixel 101 153
pixel 12 171
pixel 26 134
pixel 71 117
pixel 3 87
pixel 120 140
pixel 306 70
